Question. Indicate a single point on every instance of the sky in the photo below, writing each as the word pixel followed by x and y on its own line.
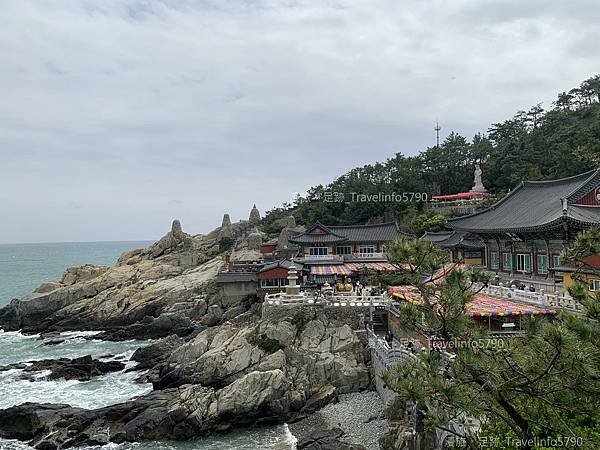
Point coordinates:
pixel 118 116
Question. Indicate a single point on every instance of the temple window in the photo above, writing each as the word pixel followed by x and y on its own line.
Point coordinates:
pixel 507 261
pixel 366 249
pixel 343 249
pixel 523 262
pixel 542 264
pixel 317 251
pixel 494 260
pixel 556 263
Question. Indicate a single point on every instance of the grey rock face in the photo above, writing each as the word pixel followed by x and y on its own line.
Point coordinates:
pixel 254 240
pixel 323 353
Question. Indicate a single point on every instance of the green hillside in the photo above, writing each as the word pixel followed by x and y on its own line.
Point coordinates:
pixel 533 145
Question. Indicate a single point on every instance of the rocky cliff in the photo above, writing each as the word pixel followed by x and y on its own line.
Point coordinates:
pixel 226 376
pixel 219 365
pixel 163 289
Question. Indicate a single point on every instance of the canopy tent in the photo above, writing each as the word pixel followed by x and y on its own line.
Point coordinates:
pixel 348 269
pixel 407 293
pixel 486 306
pixel 481 306
pixel 340 269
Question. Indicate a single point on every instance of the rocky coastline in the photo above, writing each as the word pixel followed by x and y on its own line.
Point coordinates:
pixel 215 364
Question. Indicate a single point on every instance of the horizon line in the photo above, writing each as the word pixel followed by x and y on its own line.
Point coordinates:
pixel 77 242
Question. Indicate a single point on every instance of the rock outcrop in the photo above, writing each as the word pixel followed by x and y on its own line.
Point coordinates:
pixel 218 365
pixel 81 369
pixel 332 439
pixel 152 292
pixel 312 355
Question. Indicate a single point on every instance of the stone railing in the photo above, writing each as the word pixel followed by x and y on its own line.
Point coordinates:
pixel 388 355
pixel 281 299
pixel 399 351
pixel 542 299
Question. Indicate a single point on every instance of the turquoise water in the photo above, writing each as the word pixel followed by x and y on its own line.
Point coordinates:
pixel 23 267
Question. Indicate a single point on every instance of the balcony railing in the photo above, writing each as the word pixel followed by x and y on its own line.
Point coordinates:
pixel 339 258
pixel 373 255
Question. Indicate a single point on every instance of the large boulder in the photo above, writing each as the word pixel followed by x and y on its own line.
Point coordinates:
pixel 323 353
pixel 331 439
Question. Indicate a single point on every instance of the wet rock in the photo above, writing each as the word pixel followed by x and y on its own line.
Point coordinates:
pixel 82 369
pixel 319 399
pixel 157 352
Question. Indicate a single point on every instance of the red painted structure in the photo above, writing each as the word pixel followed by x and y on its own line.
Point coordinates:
pixel 471 195
pixel 267 248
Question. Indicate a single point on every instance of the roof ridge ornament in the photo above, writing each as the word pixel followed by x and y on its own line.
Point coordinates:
pixel 564 204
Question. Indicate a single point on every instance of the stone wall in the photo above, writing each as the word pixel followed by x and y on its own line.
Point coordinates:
pixel 355 316
pixel 378 368
pixel 235 292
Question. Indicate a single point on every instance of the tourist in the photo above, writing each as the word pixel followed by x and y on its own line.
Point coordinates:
pixel 389 338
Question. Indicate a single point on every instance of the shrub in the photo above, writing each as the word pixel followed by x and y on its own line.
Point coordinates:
pixel 268 344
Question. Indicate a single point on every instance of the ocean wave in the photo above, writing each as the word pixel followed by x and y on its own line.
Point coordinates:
pixel 16 347
pixel 104 390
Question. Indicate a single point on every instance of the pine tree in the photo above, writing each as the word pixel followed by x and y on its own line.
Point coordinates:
pixel 543 384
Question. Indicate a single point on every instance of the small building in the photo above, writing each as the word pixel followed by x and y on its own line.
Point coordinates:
pixel 588 273
pixel 462 246
pixel 273 277
pixel 525 232
pixel 236 285
pixel 267 249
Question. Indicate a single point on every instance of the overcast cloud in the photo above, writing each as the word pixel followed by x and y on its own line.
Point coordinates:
pixel 117 116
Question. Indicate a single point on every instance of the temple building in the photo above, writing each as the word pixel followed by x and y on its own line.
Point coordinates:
pixel 587 271
pixel 334 253
pixel 273 277
pixel 462 246
pixel 525 232
pixel 346 243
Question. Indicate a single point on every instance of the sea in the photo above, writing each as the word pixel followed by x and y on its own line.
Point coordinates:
pixel 23 267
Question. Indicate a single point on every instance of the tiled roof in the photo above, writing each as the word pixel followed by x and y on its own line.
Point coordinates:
pixel 283 263
pixel 235 277
pixel 536 204
pixel 383 232
pixel 452 239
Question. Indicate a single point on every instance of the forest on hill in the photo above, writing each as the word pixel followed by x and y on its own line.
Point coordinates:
pixel 536 144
